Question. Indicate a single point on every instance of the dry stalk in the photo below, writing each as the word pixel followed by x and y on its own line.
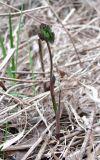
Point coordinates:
pixel 68 147
pixel 23 80
pixel 3 86
pixel 87 136
pixel 23 12
pixel 37 142
pixel 42 149
pixel 71 39
pixel 58 118
pixel 9 6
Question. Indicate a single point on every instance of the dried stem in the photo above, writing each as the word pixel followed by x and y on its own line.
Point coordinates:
pixel 3 86
pixel 58 118
pixel 71 39
pixel 88 135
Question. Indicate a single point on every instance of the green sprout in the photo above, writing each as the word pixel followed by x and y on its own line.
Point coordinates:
pixel 46 33
pixel 48 36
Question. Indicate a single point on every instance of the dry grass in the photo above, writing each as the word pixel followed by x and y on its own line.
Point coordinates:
pixel 25 108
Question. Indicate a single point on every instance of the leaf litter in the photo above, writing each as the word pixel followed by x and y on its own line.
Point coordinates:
pixel 76 60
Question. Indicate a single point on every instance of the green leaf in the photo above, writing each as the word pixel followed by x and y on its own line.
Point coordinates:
pixel 2 47
pixel 10 31
pixel 4 54
pixel 46 33
pixel 13 67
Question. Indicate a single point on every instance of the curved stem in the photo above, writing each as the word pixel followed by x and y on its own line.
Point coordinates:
pixel 52 79
pixel 41 60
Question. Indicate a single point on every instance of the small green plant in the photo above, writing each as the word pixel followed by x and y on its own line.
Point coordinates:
pixel 46 33
pixel 2 46
pixel 48 36
pixel 13 66
pixel 4 54
pixel 18 39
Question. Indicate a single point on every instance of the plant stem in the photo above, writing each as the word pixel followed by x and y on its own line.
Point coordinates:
pixel 52 79
pixel 4 55
pixel 56 109
pixel 58 119
pixel 13 67
pixel 41 60
pixel 18 39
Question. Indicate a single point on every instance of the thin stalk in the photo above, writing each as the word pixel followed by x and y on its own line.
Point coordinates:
pixel 52 80
pixel 31 64
pixel 3 86
pixel 18 38
pixel 32 69
pixel 41 60
pixel 2 47
pixel 13 67
pixel 58 118
pixel 56 109
pixel 4 54
pixel 71 39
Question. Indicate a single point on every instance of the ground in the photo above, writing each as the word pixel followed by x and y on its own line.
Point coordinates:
pixel 28 122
